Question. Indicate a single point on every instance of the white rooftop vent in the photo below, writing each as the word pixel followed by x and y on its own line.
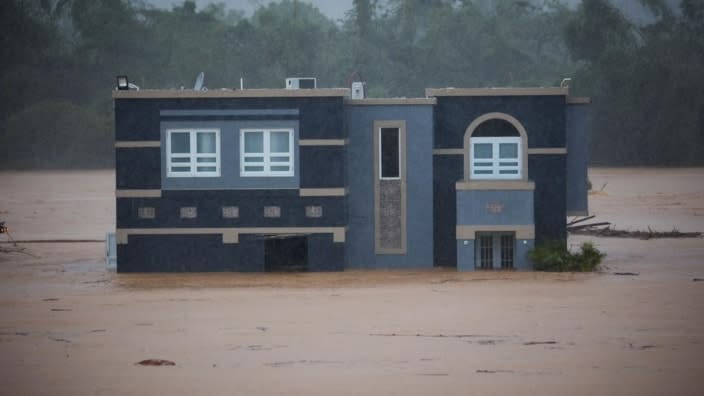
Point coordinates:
pixel 301 83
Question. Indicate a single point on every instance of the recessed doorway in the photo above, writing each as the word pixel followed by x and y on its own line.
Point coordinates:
pixel 286 254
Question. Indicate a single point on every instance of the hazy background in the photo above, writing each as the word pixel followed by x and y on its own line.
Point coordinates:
pixel 641 61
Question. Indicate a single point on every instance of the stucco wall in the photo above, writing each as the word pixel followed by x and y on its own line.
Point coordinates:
pixel 577 158
pixel 419 138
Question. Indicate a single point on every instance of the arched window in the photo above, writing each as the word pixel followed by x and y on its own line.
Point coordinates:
pixel 495 148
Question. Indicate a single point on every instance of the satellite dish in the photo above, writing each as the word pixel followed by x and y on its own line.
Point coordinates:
pixel 199 81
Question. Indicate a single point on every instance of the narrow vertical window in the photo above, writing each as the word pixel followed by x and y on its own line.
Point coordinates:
pixel 389 153
pixel 389 137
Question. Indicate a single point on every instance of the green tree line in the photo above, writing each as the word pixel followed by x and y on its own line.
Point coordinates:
pixel 59 59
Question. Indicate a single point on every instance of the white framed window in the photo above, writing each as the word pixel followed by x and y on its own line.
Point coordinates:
pixel 193 153
pixel 266 152
pixel 495 158
pixel 389 153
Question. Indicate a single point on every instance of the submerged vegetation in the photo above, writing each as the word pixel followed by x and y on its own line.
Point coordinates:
pixel 59 59
pixel 552 256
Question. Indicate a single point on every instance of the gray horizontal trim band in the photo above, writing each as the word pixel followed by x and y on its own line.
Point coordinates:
pixel 448 151
pixel 231 234
pixel 138 193
pixel 229 93
pixel 391 101
pixel 495 185
pixel 579 100
pixel 238 112
pixel 469 231
pixel 322 192
pixel 322 142
pixel 430 92
pixel 137 144
pixel 547 150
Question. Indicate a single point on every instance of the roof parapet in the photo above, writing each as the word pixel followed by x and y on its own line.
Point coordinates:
pixel 230 93
pixel 539 91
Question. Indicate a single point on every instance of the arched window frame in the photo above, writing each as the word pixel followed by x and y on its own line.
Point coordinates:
pixel 522 149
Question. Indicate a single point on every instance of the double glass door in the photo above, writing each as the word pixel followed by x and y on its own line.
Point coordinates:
pixel 495 250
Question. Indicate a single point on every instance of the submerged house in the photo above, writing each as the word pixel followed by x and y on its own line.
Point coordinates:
pixel 311 179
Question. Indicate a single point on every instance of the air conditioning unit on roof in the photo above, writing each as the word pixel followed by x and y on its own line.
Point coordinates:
pixel 301 83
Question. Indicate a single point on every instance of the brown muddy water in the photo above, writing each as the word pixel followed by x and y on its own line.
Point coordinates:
pixel 69 327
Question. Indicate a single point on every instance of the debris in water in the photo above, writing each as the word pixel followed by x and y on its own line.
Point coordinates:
pixel 156 362
pixel 626 273
pixel 540 343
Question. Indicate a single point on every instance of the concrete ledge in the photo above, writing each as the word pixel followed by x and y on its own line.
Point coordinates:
pixel 137 144
pixel 470 231
pixel 322 142
pixel 539 91
pixel 391 101
pixel 138 193
pixel 448 151
pixel 232 234
pixel 322 192
pixel 548 150
pixel 230 93
pixel 494 185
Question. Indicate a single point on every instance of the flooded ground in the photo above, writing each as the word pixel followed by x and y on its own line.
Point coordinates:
pixel 69 327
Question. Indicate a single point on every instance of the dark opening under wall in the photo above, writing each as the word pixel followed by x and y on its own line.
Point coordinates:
pixel 286 254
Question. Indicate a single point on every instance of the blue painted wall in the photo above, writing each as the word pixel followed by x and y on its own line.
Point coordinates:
pixel 549 174
pixel 419 143
pixel 138 168
pixel 544 118
pixel 175 253
pixel 251 205
pixel 577 158
pixel 447 169
pixel 139 119
pixel 517 207
pixel 465 255
pixel 141 168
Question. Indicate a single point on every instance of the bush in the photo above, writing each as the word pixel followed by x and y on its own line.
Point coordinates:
pixel 554 257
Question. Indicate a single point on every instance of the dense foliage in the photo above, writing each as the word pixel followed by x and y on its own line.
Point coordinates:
pixel 59 59
pixel 554 257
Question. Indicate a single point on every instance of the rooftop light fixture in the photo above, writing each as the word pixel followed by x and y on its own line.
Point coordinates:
pixel 123 83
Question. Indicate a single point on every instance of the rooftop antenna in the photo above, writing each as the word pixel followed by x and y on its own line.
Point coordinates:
pixel 199 82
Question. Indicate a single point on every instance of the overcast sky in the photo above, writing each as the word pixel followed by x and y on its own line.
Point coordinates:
pixel 335 9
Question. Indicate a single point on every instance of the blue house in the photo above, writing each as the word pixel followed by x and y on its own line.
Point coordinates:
pixel 311 179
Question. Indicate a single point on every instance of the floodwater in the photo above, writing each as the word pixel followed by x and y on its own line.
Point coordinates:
pixel 69 327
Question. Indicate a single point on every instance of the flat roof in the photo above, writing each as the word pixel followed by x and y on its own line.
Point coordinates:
pixel 539 91
pixel 391 101
pixel 229 93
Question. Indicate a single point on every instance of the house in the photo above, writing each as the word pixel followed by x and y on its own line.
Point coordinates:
pixel 310 179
